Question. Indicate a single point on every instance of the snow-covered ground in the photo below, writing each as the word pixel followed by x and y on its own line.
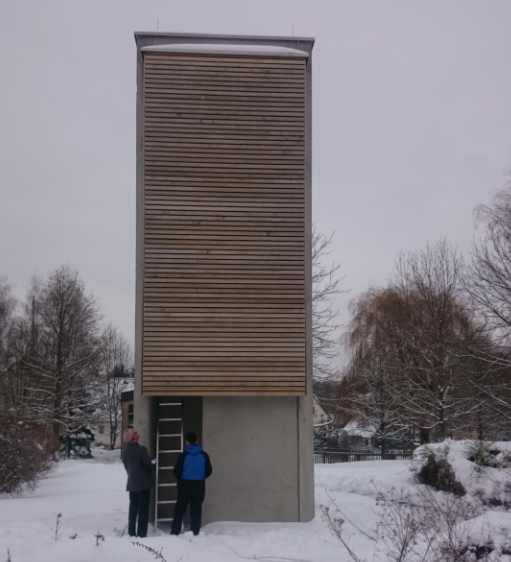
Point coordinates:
pixel 91 498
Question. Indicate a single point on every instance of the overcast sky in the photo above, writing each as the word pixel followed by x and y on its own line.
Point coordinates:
pixel 411 127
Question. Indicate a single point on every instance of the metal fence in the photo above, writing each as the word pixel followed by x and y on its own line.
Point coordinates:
pixel 351 455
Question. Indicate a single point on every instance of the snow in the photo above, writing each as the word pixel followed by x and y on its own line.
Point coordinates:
pixel 354 429
pixel 484 481
pixel 91 498
pixel 264 50
pixel 128 386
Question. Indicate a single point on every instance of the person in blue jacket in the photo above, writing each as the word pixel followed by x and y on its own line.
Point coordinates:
pixel 191 470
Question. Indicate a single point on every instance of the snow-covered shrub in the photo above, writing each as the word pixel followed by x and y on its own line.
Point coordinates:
pixel 419 526
pixel 435 471
pixel 330 438
pixel 25 456
pixel 77 445
pixel 487 454
pixel 482 453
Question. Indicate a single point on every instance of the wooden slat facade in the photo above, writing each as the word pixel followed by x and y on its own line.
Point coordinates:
pixel 224 215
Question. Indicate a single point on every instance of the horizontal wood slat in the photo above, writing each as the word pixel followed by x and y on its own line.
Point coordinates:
pixel 231 62
pixel 224 224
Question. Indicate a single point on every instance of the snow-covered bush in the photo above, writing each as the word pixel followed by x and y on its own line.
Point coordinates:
pixel 25 456
pixel 415 526
pixel 419 523
pixel 77 445
pixel 483 469
pixel 487 454
pixel 328 437
pixel 433 469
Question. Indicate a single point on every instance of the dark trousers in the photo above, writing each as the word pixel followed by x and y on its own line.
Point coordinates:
pixel 188 492
pixel 139 509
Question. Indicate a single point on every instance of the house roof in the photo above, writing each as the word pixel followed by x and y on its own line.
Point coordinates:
pixel 354 429
pixel 127 396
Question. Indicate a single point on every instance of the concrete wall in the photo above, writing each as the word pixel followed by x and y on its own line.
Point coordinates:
pixel 262 464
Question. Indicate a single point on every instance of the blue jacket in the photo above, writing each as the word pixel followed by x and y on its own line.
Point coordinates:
pixel 193 464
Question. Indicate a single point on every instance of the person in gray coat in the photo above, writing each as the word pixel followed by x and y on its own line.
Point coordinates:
pixel 139 467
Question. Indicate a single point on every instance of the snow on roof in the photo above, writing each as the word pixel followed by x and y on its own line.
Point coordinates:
pixel 354 429
pixel 228 49
pixel 129 386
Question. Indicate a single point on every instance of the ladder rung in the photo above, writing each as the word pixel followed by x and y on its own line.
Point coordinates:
pixel 170 501
pixel 165 485
pixel 169 451
pixel 165 467
pixel 170 404
pixel 169 419
pixel 169 435
pixel 166 519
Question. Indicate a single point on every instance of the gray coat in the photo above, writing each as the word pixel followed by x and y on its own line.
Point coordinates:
pixel 139 467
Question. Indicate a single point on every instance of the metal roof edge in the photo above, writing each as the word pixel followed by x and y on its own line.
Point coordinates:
pixel 228 49
pixel 153 38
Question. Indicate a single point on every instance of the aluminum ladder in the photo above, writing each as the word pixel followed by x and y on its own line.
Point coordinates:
pixel 169 444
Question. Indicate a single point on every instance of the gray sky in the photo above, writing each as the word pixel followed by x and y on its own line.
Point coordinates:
pixel 411 127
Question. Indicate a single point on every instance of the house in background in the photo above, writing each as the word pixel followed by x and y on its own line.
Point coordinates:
pixel 127 412
pixel 102 434
pixel 359 436
pixel 123 417
pixel 319 415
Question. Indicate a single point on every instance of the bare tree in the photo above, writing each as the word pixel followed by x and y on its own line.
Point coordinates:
pixel 24 458
pixel 423 333
pixel 488 282
pixel 57 346
pixel 488 385
pixel 369 394
pixel 117 367
pixel 325 315
pixel 372 374
pixel 489 275
pixel 438 329
pixel 7 306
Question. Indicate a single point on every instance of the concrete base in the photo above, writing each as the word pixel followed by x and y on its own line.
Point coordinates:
pixel 261 450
